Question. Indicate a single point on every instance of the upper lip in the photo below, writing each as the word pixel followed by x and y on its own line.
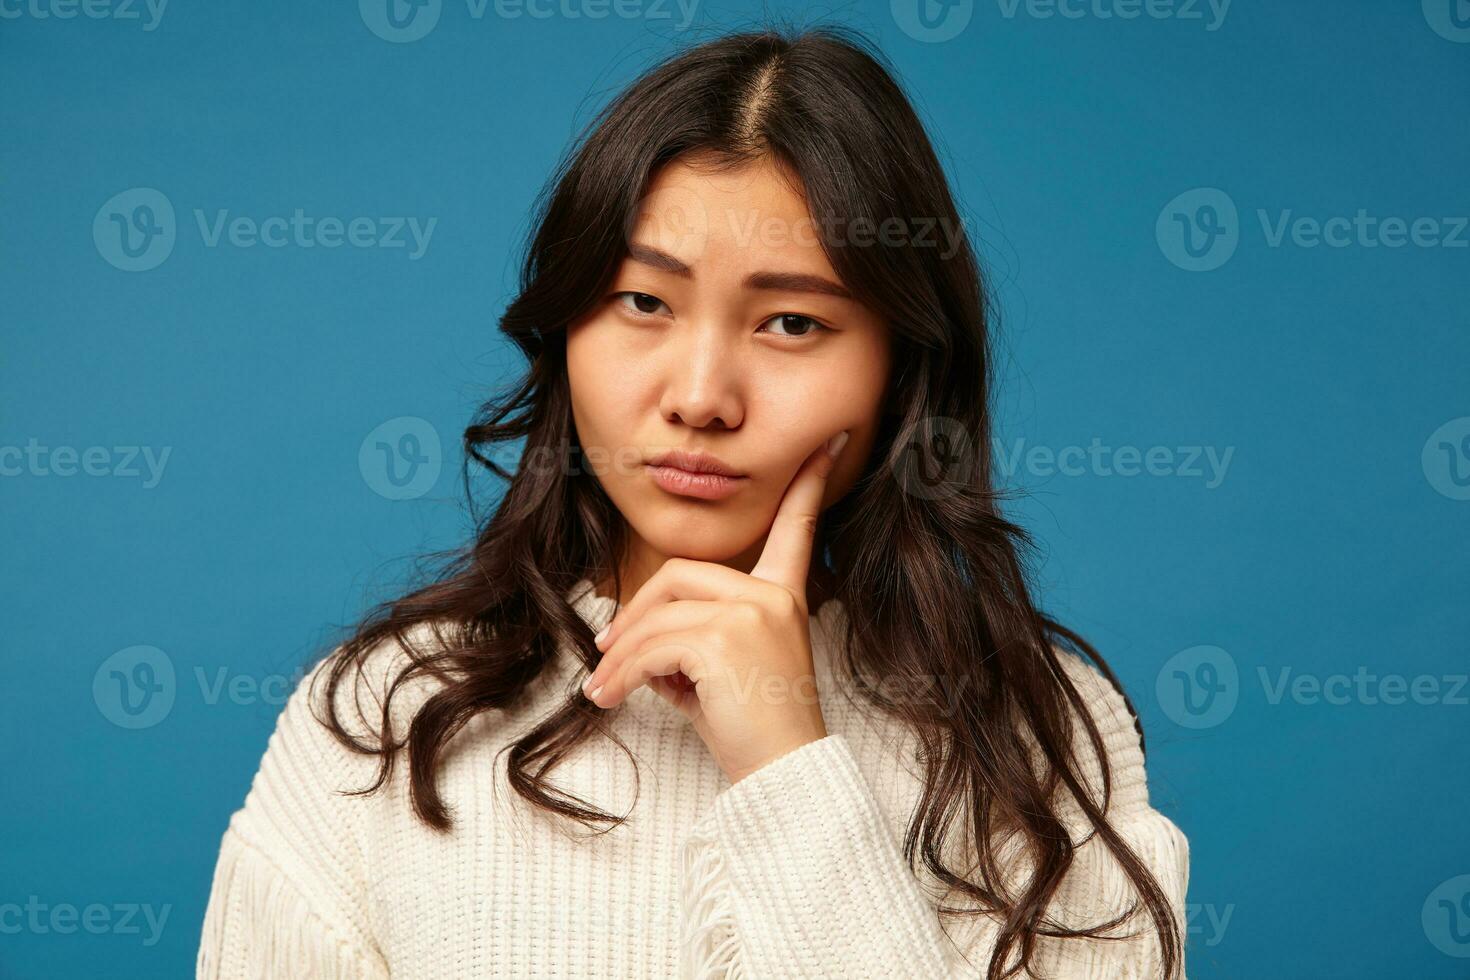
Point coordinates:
pixel 694 462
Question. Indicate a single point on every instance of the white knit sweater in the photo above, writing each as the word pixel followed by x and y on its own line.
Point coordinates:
pixel 794 871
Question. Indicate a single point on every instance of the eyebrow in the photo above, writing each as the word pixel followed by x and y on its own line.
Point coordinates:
pixel 797 282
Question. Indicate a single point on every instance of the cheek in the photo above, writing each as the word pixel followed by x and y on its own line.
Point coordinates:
pixel 852 398
pixel 848 391
pixel 591 372
pixel 804 408
pixel 605 399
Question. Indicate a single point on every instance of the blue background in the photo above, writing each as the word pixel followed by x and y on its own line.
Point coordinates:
pixel 1333 543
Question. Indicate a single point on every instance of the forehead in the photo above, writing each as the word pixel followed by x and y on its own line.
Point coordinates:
pixel 752 216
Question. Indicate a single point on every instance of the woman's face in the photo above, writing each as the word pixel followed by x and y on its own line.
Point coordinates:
pixel 724 332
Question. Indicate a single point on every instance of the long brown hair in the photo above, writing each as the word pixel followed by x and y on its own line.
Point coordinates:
pixel 935 580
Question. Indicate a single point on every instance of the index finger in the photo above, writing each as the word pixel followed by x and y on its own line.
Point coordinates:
pixel 787 555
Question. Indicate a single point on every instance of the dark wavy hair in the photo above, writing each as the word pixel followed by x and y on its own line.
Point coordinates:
pixel 938 577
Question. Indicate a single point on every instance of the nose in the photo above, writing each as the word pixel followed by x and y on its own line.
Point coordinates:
pixel 702 379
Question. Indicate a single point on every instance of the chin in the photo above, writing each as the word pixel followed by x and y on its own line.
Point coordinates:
pixel 703 535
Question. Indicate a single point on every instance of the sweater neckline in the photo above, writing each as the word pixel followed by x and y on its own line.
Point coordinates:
pixel 646 703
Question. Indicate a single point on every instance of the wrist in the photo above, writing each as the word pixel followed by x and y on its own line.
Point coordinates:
pixel 782 749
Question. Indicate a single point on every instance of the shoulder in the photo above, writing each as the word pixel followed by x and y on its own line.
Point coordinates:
pixel 288 891
pixel 1097 886
pixel 1118 729
pixel 386 682
pixel 350 691
pixel 352 703
pixel 310 761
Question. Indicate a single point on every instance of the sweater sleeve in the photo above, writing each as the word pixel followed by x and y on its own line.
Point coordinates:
pixel 794 872
pixel 286 898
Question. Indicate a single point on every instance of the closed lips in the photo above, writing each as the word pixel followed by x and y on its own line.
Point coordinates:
pixel 695 463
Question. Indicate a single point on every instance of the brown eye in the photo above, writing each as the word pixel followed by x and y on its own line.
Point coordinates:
pixel 643 304
pixel 804 326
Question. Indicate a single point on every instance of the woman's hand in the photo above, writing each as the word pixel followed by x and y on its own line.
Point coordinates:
pixel 741 642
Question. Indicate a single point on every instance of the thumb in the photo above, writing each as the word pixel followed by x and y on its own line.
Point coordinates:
pixel 787 555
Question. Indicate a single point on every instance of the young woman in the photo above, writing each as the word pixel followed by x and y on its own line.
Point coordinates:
pixel 869 753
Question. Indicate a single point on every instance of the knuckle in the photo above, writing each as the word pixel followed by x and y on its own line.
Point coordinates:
pixel 749 613
pixel 715 641
pixel 775 604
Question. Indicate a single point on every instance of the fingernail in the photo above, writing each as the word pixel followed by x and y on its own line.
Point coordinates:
pixel 602 635
pixel 835 444
pixel 592 694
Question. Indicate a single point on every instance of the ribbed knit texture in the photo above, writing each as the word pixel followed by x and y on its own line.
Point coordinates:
pixel 794 871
